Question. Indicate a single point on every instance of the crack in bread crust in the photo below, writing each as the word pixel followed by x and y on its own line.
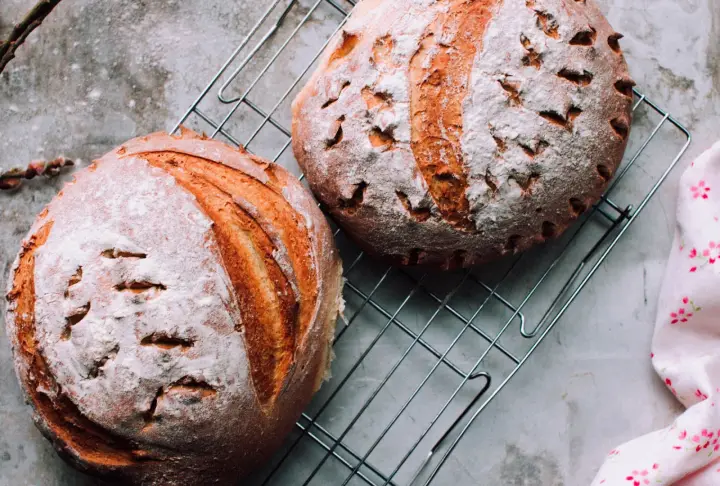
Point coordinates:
pixel 65 425
pixel 274 314
pixel 439 81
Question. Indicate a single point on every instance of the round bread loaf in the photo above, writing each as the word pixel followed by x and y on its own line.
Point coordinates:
pixel 171 312
pixel 452 132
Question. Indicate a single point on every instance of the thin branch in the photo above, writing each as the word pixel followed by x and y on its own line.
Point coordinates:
pixel 13 178
pixel 23 29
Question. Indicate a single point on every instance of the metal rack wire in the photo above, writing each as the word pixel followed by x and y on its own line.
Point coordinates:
pixel 419 356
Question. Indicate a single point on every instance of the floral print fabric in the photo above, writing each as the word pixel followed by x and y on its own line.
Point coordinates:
pixel 686 348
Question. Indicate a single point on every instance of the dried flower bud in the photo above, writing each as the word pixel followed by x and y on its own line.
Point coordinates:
pixel 8 184
pixel 36 167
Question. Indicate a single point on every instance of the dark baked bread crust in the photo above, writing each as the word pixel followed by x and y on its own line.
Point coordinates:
pixel 453 132
pixel 172 310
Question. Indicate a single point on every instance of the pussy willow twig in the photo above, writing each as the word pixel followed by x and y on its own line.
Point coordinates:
pixel 13 178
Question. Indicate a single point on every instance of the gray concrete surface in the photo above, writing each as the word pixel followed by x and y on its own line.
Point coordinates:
pixel 97 73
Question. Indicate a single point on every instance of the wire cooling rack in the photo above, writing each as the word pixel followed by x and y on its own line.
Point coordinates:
pixel 419 356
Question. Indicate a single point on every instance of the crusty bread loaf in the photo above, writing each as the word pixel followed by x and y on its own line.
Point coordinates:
pixel 171 312
pixel 452 132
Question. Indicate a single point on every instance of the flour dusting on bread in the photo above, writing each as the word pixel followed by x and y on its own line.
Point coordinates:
pixel 449 133
pixel 172 311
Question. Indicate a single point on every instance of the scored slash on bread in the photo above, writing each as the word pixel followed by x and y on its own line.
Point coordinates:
pixel 475 129
pixel 172 311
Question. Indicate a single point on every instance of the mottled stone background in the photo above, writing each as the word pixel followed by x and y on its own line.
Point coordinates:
pixel 99 72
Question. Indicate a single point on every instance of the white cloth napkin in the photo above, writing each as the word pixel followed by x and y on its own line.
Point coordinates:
pixel 685 349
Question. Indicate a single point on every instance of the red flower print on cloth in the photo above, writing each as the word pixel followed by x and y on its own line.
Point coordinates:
pixel 701 190
pixel 645 476
pixel 706 440
pixel 684 313
pixel 704 256
pixel 686 350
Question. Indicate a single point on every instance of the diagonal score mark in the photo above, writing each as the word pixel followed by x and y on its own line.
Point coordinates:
pixel 437 68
